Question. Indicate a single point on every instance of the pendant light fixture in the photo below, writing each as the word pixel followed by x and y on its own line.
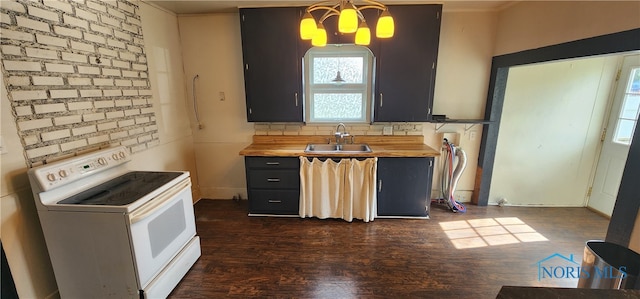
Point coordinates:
pixel 338 79
pixel 350 20
pixel 363 35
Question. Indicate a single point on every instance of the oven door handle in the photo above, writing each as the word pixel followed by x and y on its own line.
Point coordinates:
pixel 158 202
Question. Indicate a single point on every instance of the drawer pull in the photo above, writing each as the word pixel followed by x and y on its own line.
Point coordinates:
pixel 273 163
pixel 273 180
pixel 275 201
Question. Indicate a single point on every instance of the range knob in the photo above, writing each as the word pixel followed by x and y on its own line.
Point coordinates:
pixel 62 173
pixel 122 155
pixel 102 161
pixel 115 156
pixel 51 177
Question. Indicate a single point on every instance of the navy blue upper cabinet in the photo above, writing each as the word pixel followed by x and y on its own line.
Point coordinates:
pixel 406 65
pixel 272 64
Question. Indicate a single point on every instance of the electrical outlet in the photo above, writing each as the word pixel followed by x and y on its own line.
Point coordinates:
pixel 472 135
pixel 387 130
pixel 221 96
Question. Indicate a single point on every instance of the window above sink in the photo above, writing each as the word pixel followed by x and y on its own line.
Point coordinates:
pixel 338 82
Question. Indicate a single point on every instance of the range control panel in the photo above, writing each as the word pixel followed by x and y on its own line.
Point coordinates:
pixel 66 171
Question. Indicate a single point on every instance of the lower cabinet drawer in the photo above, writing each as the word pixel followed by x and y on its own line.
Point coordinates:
pixel 274 179
pixel 281 202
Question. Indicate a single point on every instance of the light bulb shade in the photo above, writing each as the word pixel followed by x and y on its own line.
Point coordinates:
pixel 348 20
pixel 363 35
pixel 307 26
pixel 320 37
pixel 385 26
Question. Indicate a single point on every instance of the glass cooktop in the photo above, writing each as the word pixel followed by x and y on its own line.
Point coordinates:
pixel 122 190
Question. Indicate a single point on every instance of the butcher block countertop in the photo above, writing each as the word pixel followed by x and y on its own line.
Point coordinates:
pixel 381 146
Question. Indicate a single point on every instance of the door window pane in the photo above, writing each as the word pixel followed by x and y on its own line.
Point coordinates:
pixel 624 131
pixel 629 111
pixel 630 107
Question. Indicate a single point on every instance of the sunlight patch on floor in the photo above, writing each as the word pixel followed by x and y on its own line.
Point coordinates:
pixel 474 233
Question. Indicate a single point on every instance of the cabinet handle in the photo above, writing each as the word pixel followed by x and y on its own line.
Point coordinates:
pixel 275 201
pixel 273 180
pixel 296 95
pixel 273 163
pixel 380 100
pixel 379 185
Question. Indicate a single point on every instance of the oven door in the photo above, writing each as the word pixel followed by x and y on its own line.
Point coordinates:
pixel 160 229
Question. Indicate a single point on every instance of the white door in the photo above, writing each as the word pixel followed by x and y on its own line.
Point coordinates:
pixel 615 147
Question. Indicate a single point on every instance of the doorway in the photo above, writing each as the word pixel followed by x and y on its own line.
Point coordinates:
pixel 627 205
pixel 617 136
pixel 549 139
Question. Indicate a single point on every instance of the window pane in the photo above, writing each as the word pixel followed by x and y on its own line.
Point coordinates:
pixel 331 106
pixel 325 69
pixel 634 81
pixel 624 131
pixel 630 107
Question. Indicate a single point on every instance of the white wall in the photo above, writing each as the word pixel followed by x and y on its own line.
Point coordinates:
pixel 533 24
pixel 166 73
pixel 529 25
pixel 212 49
pixel 550 131
pixel 20 228
pixel 462 78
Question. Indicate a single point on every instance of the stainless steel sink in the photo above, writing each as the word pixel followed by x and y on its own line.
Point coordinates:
pixel 335 148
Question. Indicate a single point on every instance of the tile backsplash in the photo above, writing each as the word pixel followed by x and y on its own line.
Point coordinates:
pixel 76 75
pixel 329 129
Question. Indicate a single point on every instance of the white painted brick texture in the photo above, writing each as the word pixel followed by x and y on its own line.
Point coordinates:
pixel 77 76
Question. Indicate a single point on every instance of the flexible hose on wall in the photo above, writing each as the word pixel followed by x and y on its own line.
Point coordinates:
pixel 195 101
pixel 450 177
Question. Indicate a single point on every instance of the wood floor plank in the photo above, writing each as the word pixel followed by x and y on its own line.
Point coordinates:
pixel 388 258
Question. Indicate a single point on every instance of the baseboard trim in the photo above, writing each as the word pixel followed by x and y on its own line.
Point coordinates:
pixel 598 212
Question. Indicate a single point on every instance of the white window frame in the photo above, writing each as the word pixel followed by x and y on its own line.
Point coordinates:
pixel 365 88
pixel 626 94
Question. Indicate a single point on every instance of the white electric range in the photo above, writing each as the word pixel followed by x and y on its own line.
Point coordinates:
pixel 113 232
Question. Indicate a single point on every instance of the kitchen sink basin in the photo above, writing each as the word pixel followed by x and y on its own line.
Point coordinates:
pixel 338 148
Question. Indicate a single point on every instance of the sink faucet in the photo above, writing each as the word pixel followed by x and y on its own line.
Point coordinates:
pixel 342 135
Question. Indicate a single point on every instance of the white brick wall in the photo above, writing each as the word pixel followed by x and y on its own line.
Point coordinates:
pixel 76 76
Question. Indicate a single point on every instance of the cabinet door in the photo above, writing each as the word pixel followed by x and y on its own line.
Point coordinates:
pixel 406 65
pixel 272 66
pixel 404 186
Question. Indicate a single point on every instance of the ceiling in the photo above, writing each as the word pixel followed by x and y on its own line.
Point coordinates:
pixel 215 6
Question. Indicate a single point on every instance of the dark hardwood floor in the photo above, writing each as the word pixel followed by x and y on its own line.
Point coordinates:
pixel 451 255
